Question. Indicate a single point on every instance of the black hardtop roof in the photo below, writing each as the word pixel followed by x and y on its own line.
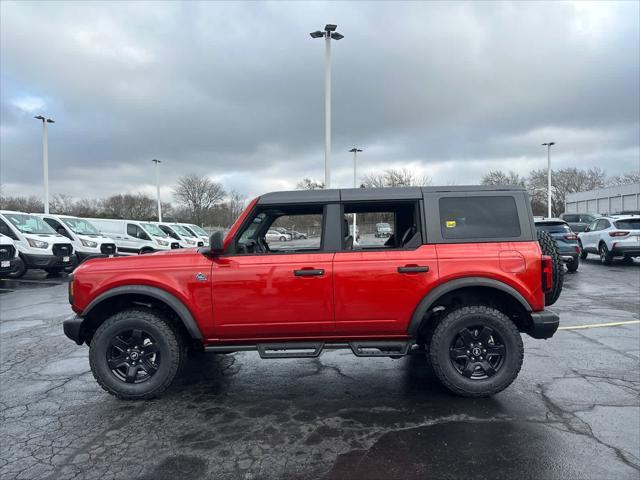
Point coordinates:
pixel 363 194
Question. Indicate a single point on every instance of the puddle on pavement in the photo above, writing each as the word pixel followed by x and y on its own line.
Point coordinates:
pixel 13 326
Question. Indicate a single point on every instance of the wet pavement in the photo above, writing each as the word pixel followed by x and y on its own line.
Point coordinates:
pixel 574 411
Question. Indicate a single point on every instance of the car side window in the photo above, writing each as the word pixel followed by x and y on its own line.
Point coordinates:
pixel 479 217
pixel 5 230
pixel 593 227
pixel 283 229
pixel 58 227
pixel 132 230
pixel 368 226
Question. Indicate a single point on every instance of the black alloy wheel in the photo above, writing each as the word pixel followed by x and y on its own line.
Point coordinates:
pixel 133 356
pixel 477 352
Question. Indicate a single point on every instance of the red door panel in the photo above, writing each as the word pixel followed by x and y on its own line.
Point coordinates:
pixel 373 297
pixel 261 296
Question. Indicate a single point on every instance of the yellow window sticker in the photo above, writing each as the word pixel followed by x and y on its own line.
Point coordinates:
pixel 451 224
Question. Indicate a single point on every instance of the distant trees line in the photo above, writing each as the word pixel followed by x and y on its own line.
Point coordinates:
pixel 200 200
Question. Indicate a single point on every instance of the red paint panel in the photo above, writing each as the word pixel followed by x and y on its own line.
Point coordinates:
pixel 372 297
pixel 260 296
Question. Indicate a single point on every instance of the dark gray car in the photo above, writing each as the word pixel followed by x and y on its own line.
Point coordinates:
pixel 579 221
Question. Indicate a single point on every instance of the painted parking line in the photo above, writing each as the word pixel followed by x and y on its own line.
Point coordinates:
pixel 598 325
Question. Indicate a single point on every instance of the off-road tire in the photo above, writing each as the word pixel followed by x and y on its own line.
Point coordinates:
pixel 170 343
pixel 550 248
pixel 455 321
pixel 583 253
pixel 606 258
pixel 573 265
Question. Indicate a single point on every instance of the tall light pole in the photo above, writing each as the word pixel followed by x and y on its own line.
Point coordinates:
pixel 548 145
pixel 45 159
pixel 355 151
pixel 328 34
pixel 158 162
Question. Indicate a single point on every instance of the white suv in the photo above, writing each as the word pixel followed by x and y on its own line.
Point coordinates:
pixel 613 236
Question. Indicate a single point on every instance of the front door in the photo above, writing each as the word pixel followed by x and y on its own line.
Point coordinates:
pixel 281 288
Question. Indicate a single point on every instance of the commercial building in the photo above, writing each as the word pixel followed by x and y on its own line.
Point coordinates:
pixel 605 201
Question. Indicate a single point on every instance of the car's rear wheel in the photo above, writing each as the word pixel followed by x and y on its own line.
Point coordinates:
pixel 573 265
pixel 550 248
pixel 583 253
pixel 605 255
pixel 136 354
pixel 476 351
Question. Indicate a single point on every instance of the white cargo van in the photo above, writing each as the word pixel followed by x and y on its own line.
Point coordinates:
pixel 39 245
pixel 196 231
pixel 178 232
pixel 11 265
pixel 134 237
pixel 87 241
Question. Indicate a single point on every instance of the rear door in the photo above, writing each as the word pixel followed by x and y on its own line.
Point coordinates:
pixel 379 281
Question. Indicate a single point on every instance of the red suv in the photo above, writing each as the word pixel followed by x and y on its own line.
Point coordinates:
pixel 460 277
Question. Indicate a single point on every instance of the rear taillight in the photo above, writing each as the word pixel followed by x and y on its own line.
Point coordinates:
pixel 571 236
pixel 577 249
pixel 547 273
pixel 618 234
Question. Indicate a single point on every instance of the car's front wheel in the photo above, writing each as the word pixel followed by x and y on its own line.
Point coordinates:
pixel 136 354
pixel 476 351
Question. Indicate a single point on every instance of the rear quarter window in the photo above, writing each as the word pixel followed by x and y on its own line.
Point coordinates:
pixel 630 224
pixel 479 217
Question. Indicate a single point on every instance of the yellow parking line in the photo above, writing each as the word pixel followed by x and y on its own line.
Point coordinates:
pixel 596 325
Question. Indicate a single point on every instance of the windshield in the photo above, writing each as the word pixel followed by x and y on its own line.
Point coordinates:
pixel 630 224
pixel 198 230
pixel 180 230
pixel 556 227
pixel 80 226
pixel 153 230
pixel 29 223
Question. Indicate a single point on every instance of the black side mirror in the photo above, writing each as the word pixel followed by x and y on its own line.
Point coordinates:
pixel 216 243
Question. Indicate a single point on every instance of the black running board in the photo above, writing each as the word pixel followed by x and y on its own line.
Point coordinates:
pixel 381 348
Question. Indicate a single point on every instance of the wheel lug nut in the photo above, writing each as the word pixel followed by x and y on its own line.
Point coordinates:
pixel 480 358
pixel 484 351
pixel 468 352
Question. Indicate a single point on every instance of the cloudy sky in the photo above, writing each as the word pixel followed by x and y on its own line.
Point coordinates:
pixel 236 91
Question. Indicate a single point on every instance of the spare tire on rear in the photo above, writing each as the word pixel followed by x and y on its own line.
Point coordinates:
pixel 550 248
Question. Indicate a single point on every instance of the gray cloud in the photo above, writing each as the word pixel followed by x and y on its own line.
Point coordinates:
pixel 235 90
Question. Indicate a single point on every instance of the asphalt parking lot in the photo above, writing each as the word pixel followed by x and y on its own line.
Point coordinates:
pixel 574 411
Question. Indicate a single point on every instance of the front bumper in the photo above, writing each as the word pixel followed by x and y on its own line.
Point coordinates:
pixel 73 329
pixel 47 261
pixel 14 265
pixel 544 324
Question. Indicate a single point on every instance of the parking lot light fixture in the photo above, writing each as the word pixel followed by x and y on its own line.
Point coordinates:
pixel 548 145
pixel 328 34
pixel 45 158
pixel 157 162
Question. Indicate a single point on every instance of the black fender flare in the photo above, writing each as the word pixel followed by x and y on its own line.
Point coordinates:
pixel 184 314
pixel 432 297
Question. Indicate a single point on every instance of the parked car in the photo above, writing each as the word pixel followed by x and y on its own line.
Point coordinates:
pixel 383 230
pixel 411 295
pixel 566 240
pixel 87 241
pixel 185 238
pixel 11 265
pixel 579 221
pixel 39 246
pixel 610 237
pixel 133 237
pixel 196 231
pixel 277 236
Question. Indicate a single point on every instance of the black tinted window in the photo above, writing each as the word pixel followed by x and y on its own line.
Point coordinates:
pixel 5 230
pixel 479 217
pixel 571 218
pixel 631 224
pixel 553 227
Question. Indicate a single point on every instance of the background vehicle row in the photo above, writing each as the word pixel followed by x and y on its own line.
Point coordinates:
pixel 614 236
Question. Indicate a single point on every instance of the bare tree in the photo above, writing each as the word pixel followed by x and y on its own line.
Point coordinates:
pixel 30 204
pixel 62 204
pixel 625 179
pixel 130 206
pixel 497 177
pixel 198 195
pixel 309 184
pixel 395 177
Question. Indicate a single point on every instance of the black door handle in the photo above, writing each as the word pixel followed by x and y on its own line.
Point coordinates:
pixel 413 269
pixel 309 272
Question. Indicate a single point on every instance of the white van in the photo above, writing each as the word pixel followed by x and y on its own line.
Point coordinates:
pixel 39 245
pixel 11 265
pixel 196 231
pixel 180 233
pixel 87 241
pixel 134 237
